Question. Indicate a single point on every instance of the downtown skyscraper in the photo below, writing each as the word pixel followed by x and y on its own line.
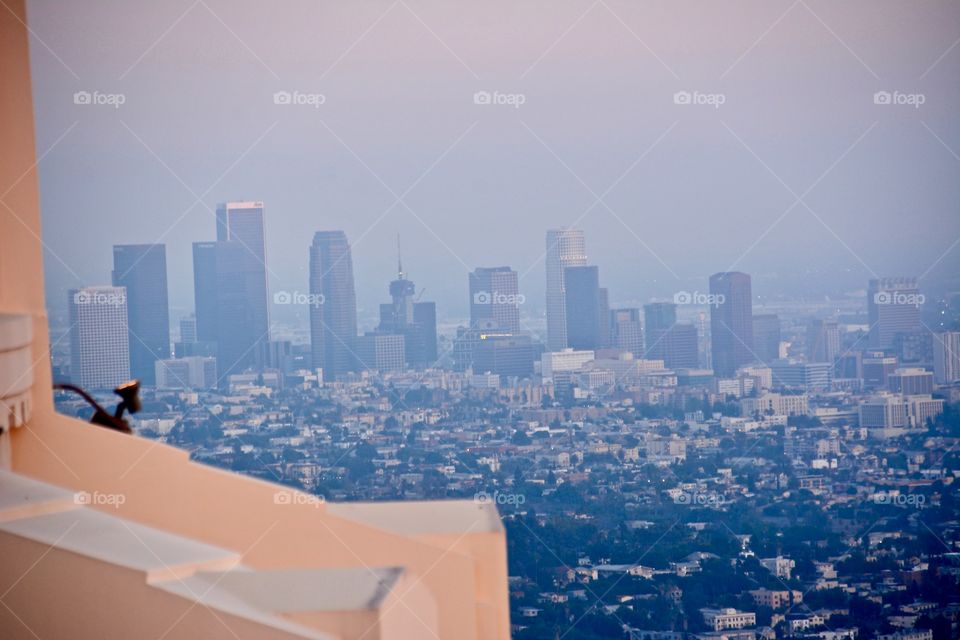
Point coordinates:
pixel 142 270
pixel 416 321
pixel 230 288
pixel 243 222
pixel 495 299
pixel 731 322
pixel 333 305
pixel 99 339
pixel 587 308
pixel 565 248
pixel 893 307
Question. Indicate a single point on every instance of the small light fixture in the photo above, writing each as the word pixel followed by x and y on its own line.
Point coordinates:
pixel 129 393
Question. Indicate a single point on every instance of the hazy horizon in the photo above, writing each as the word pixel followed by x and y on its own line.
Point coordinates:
pixel 693 189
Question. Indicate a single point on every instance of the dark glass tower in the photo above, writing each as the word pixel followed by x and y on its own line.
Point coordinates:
pixel 731 322
pixel 333 317
pixel 659 317
pixel 586 308
pixel 142 269
pixel 224 281
pixel 766 337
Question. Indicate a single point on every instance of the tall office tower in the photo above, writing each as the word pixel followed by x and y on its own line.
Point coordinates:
pixel 626 331
pixel 823 340
pixel 381 352
pixel 681 351
pixel 333 319
pixel 585 306
pixel 99 340
pixel 603 318
pixel 565 248
pixel 188 329
pixel 509 355
pixel 243 222
pixel 893 306
pixel 415 321
pixel 495 298
pixel 766 336
pixel 225 281
pixel 658 317
pixel 946 357
pixel 877 367
pixel 142 270
pixel 731 322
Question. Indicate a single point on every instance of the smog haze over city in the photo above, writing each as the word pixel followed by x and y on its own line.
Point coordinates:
pixel 645 313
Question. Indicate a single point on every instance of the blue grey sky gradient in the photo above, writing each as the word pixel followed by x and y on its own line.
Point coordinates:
pixel 695 189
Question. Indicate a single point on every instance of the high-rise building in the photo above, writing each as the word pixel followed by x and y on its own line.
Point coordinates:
pixel 823 340
pixel 142 270
pixel 195 372
pixel 505 355
pixel 188 329
pixel 659 318
pixel 225 282
pixel 415 321
pixel 99 341
pixel 910 381
pixel 586 308
pixel 495 299
pixel 680 347
pixel 877 367
pixel 946 357
pixel 626 331
pixel 808 376
pixel 243 222
pixel 381 352
pixel 893 306
pixel 766 337
pixel 565 248
pixel 731 322
pixel 333 318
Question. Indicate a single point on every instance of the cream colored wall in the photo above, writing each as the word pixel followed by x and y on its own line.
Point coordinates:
pixel 54 594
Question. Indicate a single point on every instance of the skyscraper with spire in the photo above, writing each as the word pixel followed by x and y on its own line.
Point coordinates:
pixel 415 321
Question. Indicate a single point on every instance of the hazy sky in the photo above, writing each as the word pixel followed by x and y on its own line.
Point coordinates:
pixel 798 177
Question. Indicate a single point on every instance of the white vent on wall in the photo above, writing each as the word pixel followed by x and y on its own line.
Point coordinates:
pixel 16 369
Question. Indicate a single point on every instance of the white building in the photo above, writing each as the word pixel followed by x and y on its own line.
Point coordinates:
pixel 720 619
pixel 565 360
pixel 946 357
pixel 779 566
pixel 99 340
pixel 776 404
